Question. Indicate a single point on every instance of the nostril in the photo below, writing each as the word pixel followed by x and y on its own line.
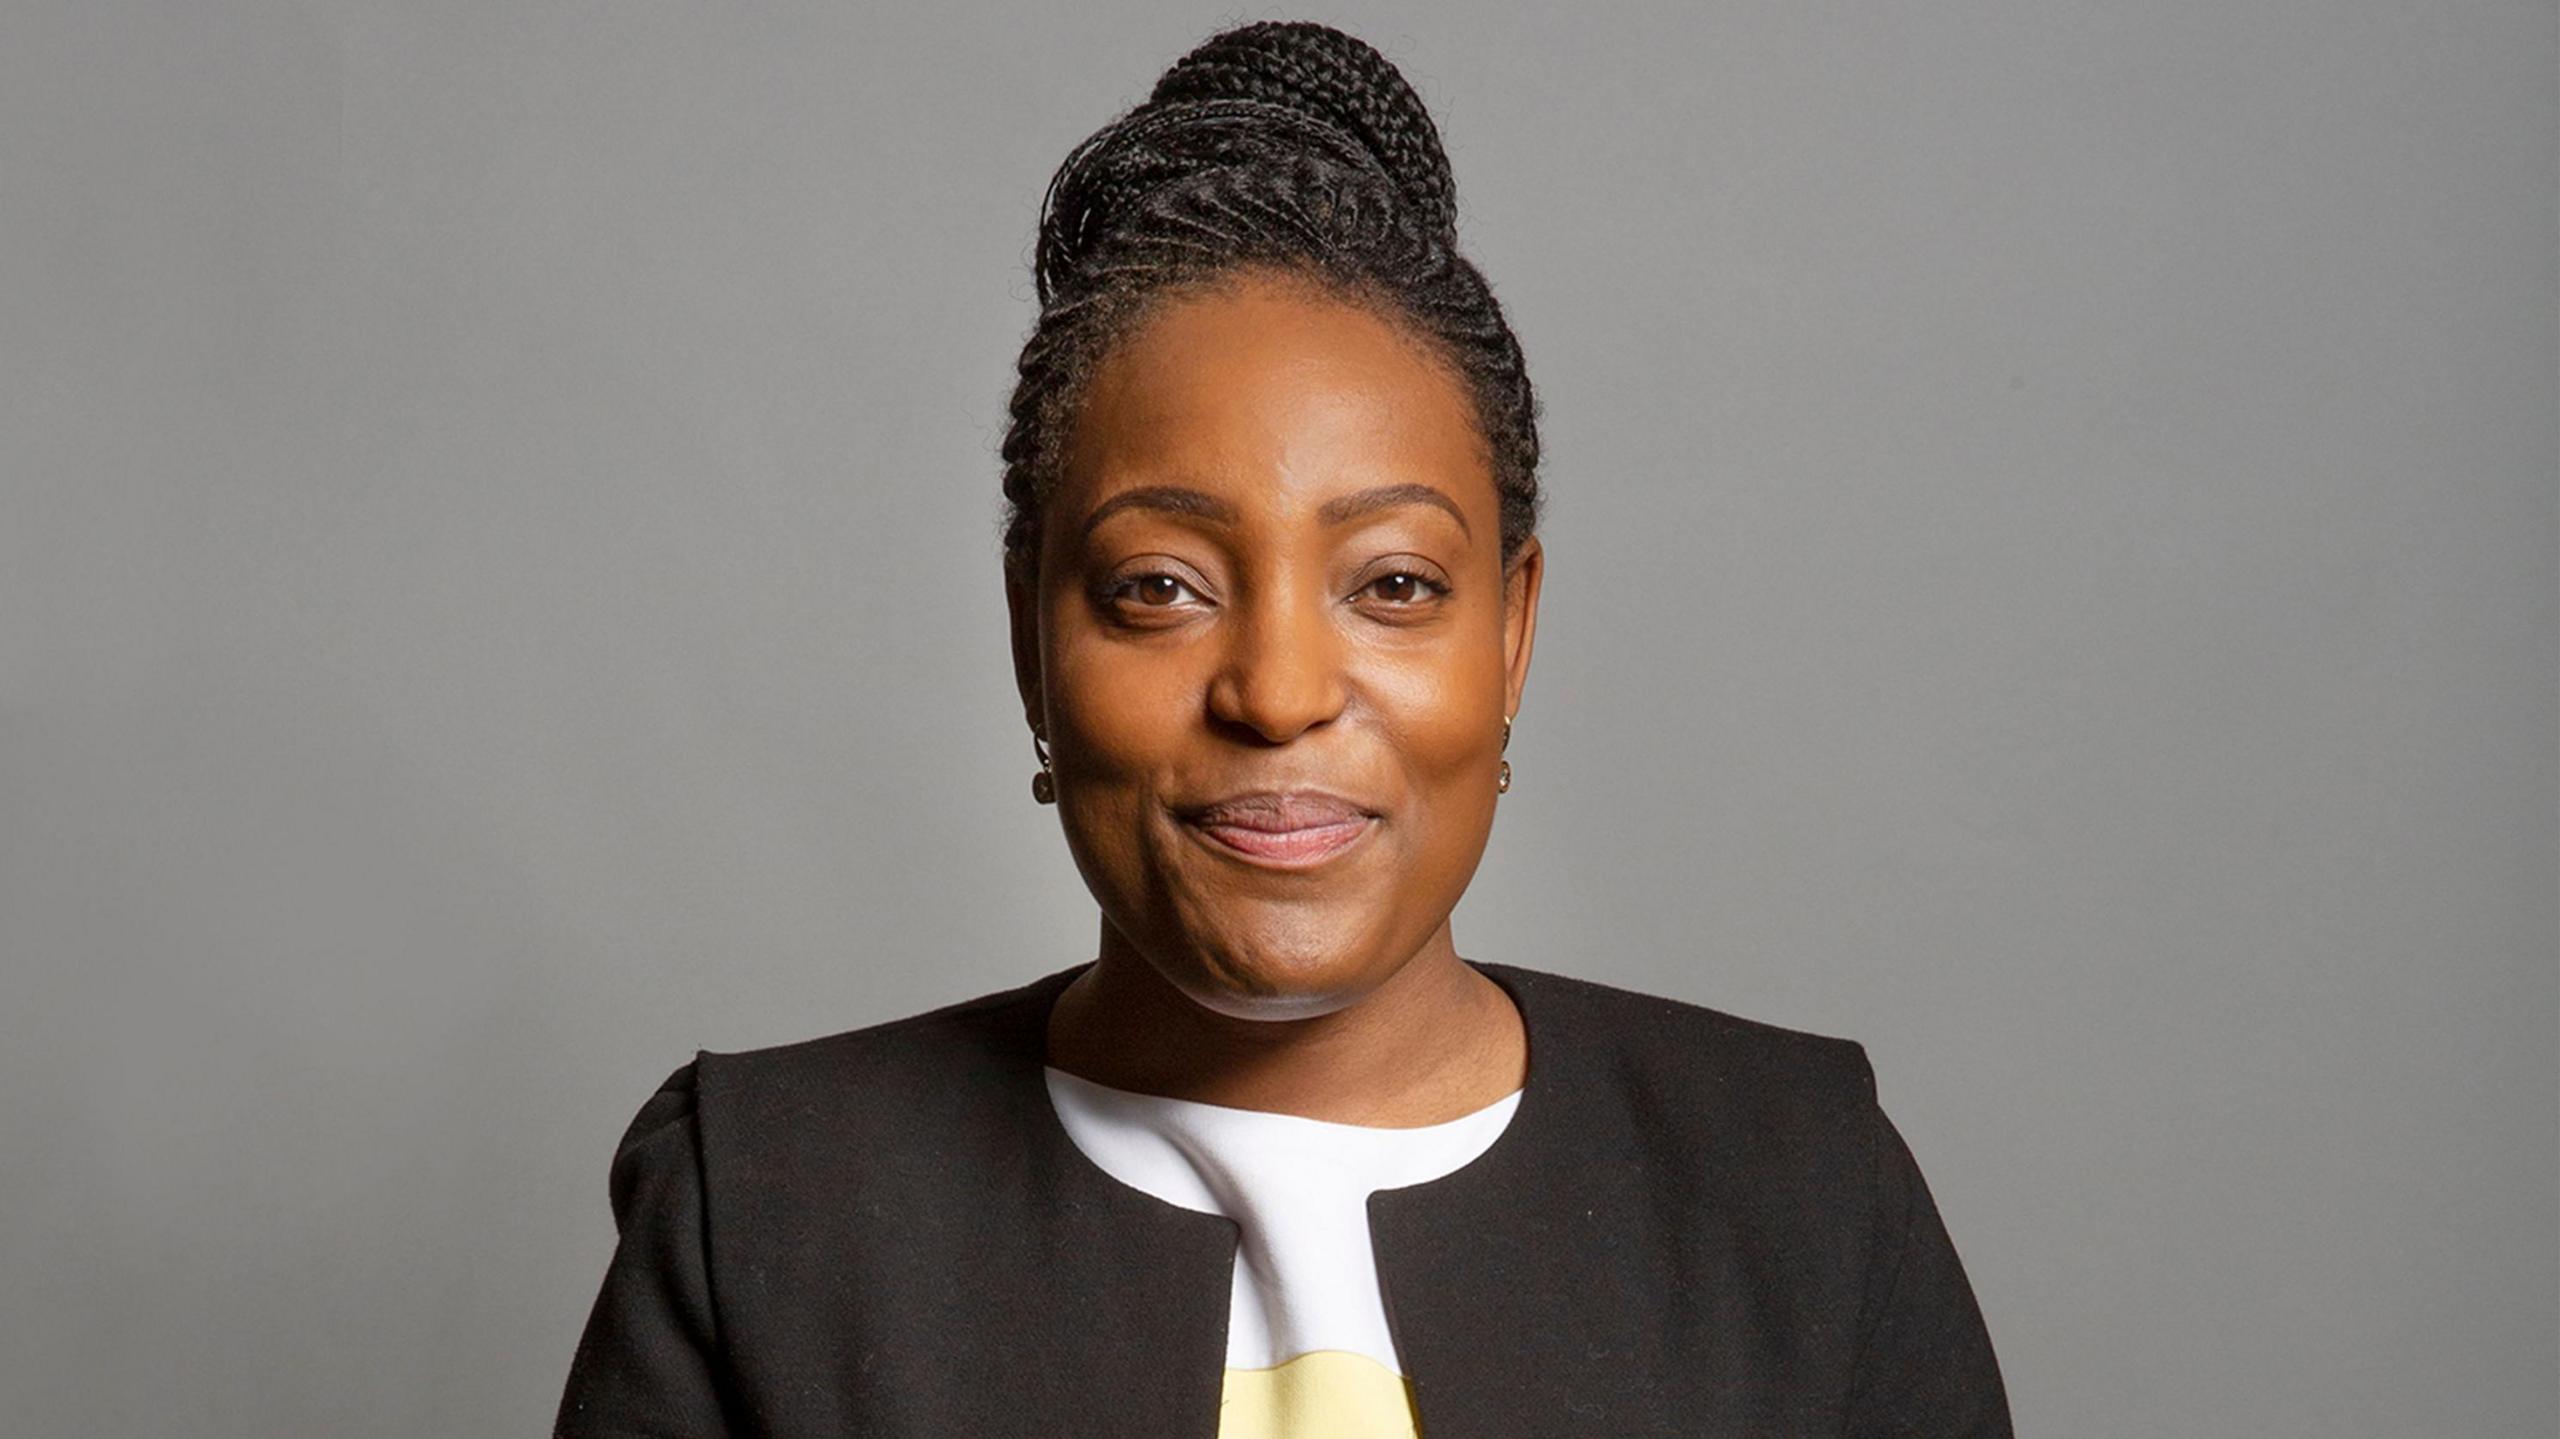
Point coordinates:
pixel 1279 686
pixel 1277 718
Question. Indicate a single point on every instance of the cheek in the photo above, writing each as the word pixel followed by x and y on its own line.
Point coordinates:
pixel 1444 712
pixel 1121 717
pixel 1109 742
pixel 1443 723
pixel 1120 709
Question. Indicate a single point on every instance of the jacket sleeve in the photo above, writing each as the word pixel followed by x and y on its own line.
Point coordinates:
pixel 1925 1366
pixel 649 1362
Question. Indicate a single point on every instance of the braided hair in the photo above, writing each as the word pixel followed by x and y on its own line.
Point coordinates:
pixel 1290 147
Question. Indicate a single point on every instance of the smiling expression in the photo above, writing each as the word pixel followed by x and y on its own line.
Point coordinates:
pixel 1272 640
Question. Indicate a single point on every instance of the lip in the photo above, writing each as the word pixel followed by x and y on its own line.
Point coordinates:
pixel 1281 829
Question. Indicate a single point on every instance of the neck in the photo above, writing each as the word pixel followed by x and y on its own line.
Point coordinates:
pixel 1436 1041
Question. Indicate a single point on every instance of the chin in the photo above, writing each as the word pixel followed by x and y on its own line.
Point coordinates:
pixel 1275 977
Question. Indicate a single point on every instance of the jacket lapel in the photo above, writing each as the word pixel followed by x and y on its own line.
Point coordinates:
pixel 1128 1295
pixel 1526 1291
pixel 905 1240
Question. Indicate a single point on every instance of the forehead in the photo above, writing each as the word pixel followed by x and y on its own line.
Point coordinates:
pixel 1280 392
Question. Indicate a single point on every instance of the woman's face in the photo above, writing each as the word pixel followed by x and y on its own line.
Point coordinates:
pixel 1272 642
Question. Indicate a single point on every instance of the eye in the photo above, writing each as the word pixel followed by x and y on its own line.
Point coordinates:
pixel 1404 587
pixel 1155 591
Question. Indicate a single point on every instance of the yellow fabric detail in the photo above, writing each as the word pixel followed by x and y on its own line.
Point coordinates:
pixel 1328 1394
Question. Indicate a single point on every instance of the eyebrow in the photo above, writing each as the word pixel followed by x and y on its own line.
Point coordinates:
pixel 1176 499
pixel 1173 499
pixel 1387 497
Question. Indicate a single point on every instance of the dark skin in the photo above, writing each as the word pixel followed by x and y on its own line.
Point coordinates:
pixel 1273 564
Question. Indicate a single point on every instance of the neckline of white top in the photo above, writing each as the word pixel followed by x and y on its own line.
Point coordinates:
pixel 1297 1190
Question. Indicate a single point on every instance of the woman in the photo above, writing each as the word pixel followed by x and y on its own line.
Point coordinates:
pixel 1278 1160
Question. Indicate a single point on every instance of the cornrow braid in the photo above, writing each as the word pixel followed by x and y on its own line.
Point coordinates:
pixel 1328 73
pixel 1287 146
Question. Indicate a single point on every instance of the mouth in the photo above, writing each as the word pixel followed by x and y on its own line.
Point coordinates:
pixel 1293 829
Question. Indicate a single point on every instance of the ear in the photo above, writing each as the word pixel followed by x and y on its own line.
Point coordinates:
pixel 1520 585
pixel 1022 605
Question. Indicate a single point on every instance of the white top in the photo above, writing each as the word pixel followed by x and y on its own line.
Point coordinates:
pixel 1306 1280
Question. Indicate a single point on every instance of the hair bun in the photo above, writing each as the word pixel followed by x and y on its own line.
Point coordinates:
pixel 1291 146
pixel 1336 80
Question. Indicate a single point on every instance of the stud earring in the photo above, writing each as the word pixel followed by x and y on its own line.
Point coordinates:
pixel 1502 782
pixel 1044 785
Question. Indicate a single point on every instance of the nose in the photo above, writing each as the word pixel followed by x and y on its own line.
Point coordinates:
pixel 1282 670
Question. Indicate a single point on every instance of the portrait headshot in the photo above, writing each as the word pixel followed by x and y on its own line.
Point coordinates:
pixel 1405 720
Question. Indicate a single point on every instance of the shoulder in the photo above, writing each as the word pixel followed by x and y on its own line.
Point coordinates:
pixel 1698 1088
pixel 921 1049
pixel 657 1149
pixel 981 1037
pixel 1675 1038
pixel 856 1107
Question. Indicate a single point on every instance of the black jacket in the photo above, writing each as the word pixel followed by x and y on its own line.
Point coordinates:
pixel 1694 1225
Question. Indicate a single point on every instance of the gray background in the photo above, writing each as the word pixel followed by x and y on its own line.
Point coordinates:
pixel 2052 574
